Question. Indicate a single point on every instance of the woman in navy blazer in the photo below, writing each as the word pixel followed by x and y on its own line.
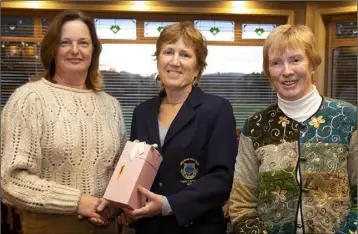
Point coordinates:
pixel 196 135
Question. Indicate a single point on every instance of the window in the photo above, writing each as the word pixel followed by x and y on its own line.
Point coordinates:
pixel 19 61
pixel 342 58
pixel 45 23
pixel 116 28
pixel 17 26
pixel 344 74
pixel 129 78
pixel 153 29
pixel 214 30
pixel 127 63
pixel 238 77
pixel 256 31
pixel 346 30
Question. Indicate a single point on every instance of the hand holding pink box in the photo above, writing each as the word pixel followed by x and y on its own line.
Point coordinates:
pixel 138 165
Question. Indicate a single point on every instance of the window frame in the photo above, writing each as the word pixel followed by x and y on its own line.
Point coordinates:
pixel 141 18
pixel 332 43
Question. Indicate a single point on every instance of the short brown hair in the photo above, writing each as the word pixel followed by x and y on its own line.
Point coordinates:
pixel 52 39
pixel 191 36
pixel 289 36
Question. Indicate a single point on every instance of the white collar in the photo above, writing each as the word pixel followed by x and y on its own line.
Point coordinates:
pixel 303 108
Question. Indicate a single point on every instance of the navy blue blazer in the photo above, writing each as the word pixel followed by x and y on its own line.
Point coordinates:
pixel 196 173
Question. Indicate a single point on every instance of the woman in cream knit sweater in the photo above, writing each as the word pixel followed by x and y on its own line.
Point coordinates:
pixel 61 136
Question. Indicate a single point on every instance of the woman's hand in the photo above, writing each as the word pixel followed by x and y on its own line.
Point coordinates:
pixel 124 219
pixel 88 207
pixel 152 207
pixel 105 208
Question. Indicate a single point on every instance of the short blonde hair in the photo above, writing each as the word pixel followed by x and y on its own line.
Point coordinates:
pixel 191 36
pixel 295 37
pixel 52 39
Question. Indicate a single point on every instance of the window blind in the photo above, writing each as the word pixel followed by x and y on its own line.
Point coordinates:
pixel 344 74
pixel 233 72
pixel 19 62
pixel 344 59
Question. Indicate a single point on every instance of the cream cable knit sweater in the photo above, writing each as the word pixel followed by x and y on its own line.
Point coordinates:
pixel 58 142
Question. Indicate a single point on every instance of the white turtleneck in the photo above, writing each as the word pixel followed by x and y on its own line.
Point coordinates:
pixel 300 110
pixel 303 108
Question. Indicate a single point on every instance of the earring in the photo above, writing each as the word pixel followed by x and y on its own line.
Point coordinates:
pixel 195 82
pixel 159 82
pixel 312 72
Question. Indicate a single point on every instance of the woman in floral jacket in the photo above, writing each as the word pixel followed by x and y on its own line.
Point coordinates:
pixel 296 167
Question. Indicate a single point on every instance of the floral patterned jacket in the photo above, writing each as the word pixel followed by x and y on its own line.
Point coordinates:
pixel 266 191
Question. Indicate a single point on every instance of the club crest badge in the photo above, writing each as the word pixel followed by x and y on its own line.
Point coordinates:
pixel 189 168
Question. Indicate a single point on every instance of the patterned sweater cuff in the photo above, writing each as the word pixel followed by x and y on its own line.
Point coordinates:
pixel 63 198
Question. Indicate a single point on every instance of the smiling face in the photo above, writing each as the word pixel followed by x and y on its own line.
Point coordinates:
pixel 177 65
pixel 290 73
pixel 74 53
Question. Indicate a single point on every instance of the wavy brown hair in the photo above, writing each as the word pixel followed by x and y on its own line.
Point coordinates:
pixel 51 42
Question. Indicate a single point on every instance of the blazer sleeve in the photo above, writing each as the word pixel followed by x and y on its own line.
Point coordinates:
pixel 213 189
pixel 133 135
pixel 350 224
pixel 244 193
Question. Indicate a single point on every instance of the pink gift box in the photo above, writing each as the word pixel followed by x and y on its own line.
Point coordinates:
pixel 138 165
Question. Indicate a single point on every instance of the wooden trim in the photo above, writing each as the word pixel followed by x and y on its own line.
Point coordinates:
pixel 341 18
pixel 37 27
pixel 337 10
pixel 334 43
pixel 24 39
pixel 145 16
pixel 328 59
pixel 183 7
pixel 151 40
pixel 291 18
pixel 141 17
pixel 320 34
pixel 315 18
pixel 343 42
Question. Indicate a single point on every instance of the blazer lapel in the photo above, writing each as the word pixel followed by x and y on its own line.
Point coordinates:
pixel 185 115
pixel 151 121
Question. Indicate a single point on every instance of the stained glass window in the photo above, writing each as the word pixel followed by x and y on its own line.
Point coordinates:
pixel 17 26
pixel 346 30
pixel 215 30
pixel 153 29
pixel 256 31
pixel 116 28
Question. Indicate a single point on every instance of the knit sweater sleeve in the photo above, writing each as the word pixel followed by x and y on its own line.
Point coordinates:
pixel 244 192
pixel 21 159
pixel 122 132
pixel 350 223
